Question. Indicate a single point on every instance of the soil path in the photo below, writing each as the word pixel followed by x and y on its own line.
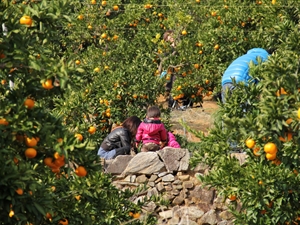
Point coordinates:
pixel 198 118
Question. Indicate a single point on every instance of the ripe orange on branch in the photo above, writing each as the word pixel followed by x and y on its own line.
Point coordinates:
pixel 3 121
pixel 250 143
pixel 270 156
pixel 29 103
pixel 79 137
pixel 232 197
pixel 47 84
pixel 270 148
pixel 80 171
pixel 48 161
pixel 63 222
pixel 30 153
pixel 20 191
pixel 26 20
pixel 31 142
pixel 92 130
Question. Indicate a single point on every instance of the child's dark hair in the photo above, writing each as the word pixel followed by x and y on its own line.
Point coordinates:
pixel 132 123
pixel 153 112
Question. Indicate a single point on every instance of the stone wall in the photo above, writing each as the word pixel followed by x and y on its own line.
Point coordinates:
pixel 166 173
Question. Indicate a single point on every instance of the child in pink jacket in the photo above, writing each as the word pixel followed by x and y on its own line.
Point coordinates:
pixel 172 142
pixel 151 132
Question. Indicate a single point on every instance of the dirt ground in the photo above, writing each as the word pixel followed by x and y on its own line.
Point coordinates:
pixel 197 117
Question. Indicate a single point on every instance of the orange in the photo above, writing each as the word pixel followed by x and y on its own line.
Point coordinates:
pixel 184 32
pixel 115 37
pixel 217 47
pixel 256 151
pixel 79 137
pixel 289 121
pixel 104 3
pixel 30 153
pixel 19 191
pixel 77 62
pixel 276 161
pixel 59 162
pixel 48 161
pixel 270 148
pixel 270 156
pixel 213 13
pixel 281 92
pixel 250 143
pixel 59 140
pixel 63 222
pixel 29 103
pixel 136 215
pixel 92 130
pixel 77 197
pixel 47 84
pixel 115 7
pixel 11 213
pixel 55 170
pixel 31 142
pixel 16 161
pixel 48 216
pixel 232 197
pixel 288 137
pixel 80 171
pixel 3 121
pixel 59 156
pixel 80 17
pixel 97 70
pixel 260 182
pixel 53 188
pixel 103 36
pixel 298 113
pixel 26 20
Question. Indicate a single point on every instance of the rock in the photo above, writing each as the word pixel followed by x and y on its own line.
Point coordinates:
pixel 144 163
pixel 175 159
pixel 168 178
pixel 118 165
pixel 192 212
pixel 203 195
pixel 141 179
pixel 166 214
pixel 209 218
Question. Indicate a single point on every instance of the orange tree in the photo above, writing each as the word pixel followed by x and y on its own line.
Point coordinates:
pixel 49 172
pixel 263 121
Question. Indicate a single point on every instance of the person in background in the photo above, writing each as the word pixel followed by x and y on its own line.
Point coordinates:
pixel 171 141
pixel 151 132
pixel 238 70
pixel 119 140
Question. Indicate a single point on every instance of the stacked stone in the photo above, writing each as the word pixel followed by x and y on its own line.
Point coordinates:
pixel 166 175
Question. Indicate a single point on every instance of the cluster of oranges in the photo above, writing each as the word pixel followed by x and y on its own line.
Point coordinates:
pixel 270 150
pixel 55 162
